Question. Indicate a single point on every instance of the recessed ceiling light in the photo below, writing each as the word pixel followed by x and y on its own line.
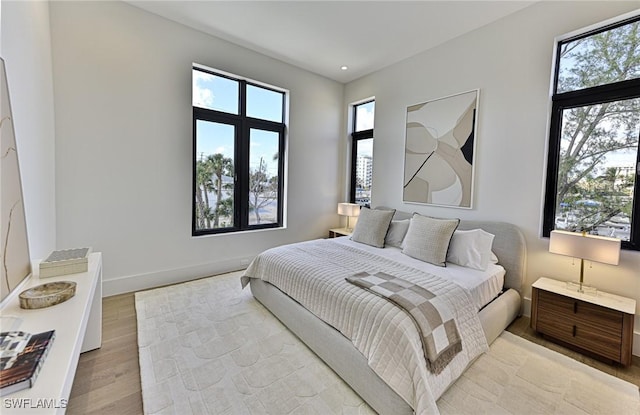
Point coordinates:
pixel 344 67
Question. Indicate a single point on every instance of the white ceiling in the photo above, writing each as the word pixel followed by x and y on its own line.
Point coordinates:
pixel 322 36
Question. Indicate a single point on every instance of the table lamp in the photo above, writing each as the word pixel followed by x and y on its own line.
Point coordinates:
pixel 590 247
pixel 350 210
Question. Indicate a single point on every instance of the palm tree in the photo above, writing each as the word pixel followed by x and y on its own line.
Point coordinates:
pixel 209 178
pixel 220 166
pixel 610 176
pixel 204 184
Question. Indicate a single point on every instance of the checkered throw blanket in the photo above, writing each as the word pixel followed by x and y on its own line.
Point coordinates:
pixel 440 338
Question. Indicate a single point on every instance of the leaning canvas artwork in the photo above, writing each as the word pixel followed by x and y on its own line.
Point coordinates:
pixel 14 248
pixel 439 151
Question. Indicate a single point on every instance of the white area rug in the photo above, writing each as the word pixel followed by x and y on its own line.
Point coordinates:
pixel 207 347
pixel 519 377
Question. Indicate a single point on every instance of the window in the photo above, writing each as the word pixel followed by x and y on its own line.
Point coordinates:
pixel 362 153
pixel 593 161
pixel 238 154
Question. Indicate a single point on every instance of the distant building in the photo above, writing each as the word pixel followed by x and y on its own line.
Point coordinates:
pixel 364 169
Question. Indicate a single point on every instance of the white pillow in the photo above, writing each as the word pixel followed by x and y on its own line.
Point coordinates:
pixel 471 249
pixel 396 233
pixel 428 239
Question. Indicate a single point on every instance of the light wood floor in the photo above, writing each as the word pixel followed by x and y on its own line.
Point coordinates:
pixel 108 379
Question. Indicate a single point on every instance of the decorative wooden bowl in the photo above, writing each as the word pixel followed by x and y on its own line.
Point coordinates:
pixel 48 294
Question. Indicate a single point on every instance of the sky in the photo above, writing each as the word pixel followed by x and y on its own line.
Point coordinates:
pixel 221 94
pixel 364 121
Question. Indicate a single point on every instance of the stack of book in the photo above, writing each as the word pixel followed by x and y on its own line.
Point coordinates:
pixel 68 261
pixel 21 358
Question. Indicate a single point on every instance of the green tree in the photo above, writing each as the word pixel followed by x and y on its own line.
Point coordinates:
pixel 262 188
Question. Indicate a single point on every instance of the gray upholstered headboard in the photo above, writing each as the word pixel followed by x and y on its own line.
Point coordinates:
pixel 508 245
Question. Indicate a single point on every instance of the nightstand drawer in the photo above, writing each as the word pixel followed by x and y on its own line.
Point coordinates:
pixel 597 318
pixel 582 335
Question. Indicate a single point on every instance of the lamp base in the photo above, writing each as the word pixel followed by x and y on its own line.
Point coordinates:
pixel 584 289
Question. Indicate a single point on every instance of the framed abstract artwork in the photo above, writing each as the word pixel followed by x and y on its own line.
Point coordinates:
pixel 14 247
pixel 439 151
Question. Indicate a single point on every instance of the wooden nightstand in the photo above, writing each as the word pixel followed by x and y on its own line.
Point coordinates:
pixel 335 232
pixel 601 325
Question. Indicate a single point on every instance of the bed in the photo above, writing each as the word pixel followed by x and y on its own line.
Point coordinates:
pixel 390 384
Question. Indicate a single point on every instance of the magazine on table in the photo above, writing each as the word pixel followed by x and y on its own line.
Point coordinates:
pixel 19 371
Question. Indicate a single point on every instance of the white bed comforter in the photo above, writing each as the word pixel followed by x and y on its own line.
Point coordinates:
pixel 313 273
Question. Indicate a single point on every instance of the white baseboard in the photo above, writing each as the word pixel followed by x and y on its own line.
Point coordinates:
pixel 526 305
pixel 636 335
pixel 156 279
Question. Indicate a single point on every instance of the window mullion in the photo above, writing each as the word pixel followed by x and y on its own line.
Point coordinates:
pixel 281 153
pixel 352 186
pixel 242 170
pixel 634 242
pixel 599 94
pixel 244 173
pixel 553 161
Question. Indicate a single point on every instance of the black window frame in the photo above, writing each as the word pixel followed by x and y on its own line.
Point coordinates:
pixel 243 125
pixel 617 91
pixel 355 137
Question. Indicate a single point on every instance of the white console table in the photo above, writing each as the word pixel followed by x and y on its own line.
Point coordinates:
pixel 78 326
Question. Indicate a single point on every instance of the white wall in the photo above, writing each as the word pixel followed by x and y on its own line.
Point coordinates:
pixel 510 61
pixel 26 49
pixel 122 81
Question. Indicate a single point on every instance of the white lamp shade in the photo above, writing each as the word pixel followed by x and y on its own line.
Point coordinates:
pixel 589 247
pixel 349 209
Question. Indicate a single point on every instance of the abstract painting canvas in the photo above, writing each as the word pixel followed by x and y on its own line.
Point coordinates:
pixel 439 151
pixel 14 247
